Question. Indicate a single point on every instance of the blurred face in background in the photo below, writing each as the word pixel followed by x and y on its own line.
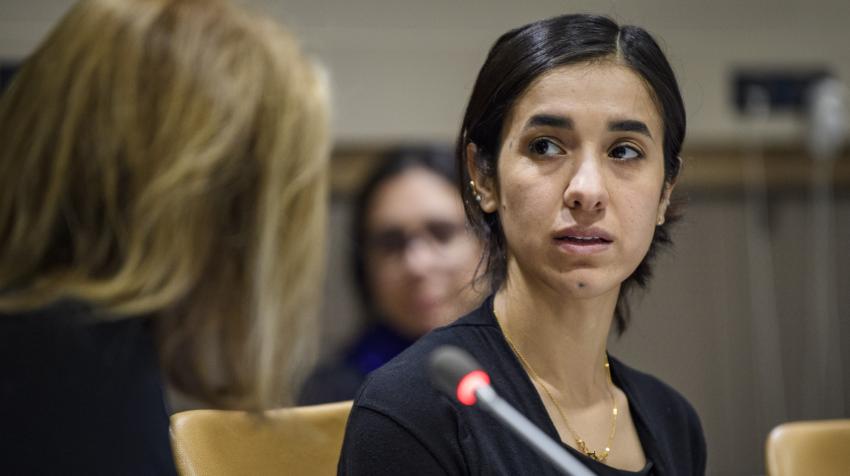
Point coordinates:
pixel 420 255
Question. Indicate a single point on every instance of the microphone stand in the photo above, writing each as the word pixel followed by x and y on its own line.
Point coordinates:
pixel 533 436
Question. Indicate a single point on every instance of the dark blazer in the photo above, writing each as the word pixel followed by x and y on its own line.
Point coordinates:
pixel 80 395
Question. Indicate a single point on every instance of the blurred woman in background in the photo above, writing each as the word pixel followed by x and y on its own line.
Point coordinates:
pixel 162 210
pixel 569 153
pixel 413 259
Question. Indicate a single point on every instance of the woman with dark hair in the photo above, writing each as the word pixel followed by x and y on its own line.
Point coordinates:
pixel 568 152
pixel 413 259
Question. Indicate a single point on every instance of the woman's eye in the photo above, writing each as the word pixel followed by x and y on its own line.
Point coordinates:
pixel 625 152
pixel 545 147
pixel 443 232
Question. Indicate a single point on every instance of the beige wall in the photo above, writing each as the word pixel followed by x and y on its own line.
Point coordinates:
pixel 695 328
pixel 402 69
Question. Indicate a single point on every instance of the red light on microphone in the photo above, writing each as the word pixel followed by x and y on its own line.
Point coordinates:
pixel 469 384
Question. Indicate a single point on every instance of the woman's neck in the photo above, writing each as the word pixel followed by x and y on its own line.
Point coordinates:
pixel 562 338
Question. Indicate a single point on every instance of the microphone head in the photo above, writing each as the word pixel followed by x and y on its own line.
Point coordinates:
pixel 456 373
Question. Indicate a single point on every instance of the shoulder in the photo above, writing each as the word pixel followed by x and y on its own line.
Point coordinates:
pixel 397 406
pixel 78 334
pixel 403 385
pixel 406 376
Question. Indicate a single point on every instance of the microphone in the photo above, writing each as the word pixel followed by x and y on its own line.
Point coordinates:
pixel 456 373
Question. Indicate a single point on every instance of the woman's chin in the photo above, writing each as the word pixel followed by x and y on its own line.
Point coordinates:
pixel 586 285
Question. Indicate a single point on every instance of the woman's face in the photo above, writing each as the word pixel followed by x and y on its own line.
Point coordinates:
pixel 580 179
pixel 420 256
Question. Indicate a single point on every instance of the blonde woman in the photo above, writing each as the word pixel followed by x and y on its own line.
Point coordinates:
pixel 162 211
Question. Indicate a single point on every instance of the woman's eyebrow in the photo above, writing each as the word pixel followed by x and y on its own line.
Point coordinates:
pixel 629 125
pixel 549 120
pixel 564 122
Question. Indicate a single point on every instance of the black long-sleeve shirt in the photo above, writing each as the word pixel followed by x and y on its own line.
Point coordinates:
pixel 400 425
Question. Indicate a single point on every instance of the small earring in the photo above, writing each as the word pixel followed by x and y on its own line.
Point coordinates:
pixel 661 220
pixel 475 191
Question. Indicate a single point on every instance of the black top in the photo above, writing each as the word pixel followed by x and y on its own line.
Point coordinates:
pixel 339 380
pixel 80 396
pixel 400 425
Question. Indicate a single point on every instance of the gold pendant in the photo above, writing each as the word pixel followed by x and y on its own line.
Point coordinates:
pixel 582 446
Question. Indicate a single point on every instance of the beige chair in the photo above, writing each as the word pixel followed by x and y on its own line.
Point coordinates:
pixel 809 448
pixel 290 441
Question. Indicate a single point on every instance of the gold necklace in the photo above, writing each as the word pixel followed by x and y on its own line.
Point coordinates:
pixel 600 456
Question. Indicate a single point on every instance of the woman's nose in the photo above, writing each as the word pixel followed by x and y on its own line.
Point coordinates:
pixel 419 257
pixel 587 189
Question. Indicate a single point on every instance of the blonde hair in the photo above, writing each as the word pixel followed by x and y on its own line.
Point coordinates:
pixel 168 158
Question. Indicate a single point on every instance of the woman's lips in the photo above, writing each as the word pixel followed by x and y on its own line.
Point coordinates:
pixel 583 241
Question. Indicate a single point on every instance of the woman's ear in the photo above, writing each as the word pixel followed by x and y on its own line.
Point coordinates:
pixel 483 186
pixel 665 196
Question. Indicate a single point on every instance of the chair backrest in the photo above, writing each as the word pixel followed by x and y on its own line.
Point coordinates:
pixel 291 441
pixel 809 448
